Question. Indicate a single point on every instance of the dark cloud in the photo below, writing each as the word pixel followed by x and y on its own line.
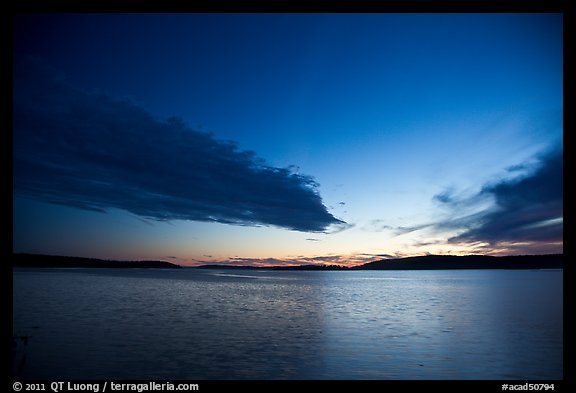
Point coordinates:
pixel 380 256
pixel 528 209
pixel 446 196
pixel 94 152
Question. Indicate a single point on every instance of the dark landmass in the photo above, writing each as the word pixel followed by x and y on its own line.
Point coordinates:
pixel 311 267
pixel 35 260
pixel 433 262
pixel 439 262
pixel 300 267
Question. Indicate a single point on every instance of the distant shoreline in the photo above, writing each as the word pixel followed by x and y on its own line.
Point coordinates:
pixel 53 261
pixel 427 262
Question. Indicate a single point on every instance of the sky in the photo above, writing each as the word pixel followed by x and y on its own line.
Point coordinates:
pixel 259 139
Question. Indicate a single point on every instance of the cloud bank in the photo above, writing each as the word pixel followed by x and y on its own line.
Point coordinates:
pixel 527 212
pixel 92 151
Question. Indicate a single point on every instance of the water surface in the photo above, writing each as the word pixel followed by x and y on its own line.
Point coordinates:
pixel 216 324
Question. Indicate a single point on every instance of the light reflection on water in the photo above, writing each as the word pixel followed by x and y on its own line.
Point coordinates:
pixel 213 324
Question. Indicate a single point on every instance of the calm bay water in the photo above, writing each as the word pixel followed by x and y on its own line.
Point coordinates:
pixel 215 324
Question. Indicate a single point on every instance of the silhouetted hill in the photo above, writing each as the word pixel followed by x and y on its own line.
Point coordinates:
pixel 437 262
pixel 311 267
pixel 299 267
pixel 35 260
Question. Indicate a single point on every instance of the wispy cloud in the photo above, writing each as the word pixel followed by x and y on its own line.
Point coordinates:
pixel 94 152
pixel 379 225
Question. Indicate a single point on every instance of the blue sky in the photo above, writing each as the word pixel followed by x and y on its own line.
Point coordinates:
pixel 287 138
